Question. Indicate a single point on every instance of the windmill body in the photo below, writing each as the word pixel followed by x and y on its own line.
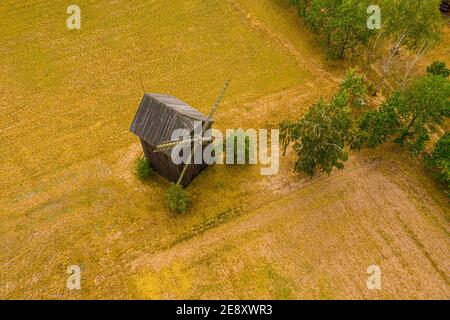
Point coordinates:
pixel 157 117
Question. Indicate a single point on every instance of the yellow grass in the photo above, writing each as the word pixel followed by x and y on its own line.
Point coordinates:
pixel 68 194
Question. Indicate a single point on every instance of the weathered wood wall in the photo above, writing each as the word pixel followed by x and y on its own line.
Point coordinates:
pixel 163 165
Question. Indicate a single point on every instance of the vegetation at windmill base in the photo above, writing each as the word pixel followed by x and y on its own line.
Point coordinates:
pixel 240 143
pixel 143 169
pixel 177 199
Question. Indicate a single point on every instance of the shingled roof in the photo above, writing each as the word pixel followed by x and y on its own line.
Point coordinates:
pixel 160 114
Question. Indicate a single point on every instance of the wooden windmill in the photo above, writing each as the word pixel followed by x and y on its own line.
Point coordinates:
pixel 192 140
pixel 156 119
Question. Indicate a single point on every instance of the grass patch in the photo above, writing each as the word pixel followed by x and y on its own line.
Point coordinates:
pixel 176 280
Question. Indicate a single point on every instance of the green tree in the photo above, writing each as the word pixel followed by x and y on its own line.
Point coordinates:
pixel 414 25
pixel 412 22
pixel 355 89
pixel 341 24
pixel 236 140
pixel 410 115
pixel 423 106
pixel 320 139
pixel 438 68
pixel 143 168
pixel 439 160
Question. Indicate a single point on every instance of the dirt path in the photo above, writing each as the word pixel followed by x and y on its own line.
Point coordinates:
pixel 282 42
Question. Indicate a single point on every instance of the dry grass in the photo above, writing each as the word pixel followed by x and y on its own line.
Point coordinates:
pixel 317 237
pixel 69 195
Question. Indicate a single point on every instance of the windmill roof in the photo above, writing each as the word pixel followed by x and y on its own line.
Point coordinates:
pixel 159 115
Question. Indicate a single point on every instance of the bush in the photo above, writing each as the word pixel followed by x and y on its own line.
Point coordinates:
pixel 232 139
pixel 438 68
pixel 177 199
pixel 143 168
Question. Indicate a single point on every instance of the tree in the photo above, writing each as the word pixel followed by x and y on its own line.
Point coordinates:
pixel 318 17
pixel 302 6
pixel 412 21
pixel 438 68
pixel 236 140
pixel 415 25
pixel 355 89
pixel 412 25
pixel 341 24
pixel 439 160
pixel 349 28
pixel 410 114
pixel 321 137
pixel 423 107
pixel 377 126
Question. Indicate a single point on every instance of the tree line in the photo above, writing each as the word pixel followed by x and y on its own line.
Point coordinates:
pixel 410 27
pixel 412 109
pixel 330 129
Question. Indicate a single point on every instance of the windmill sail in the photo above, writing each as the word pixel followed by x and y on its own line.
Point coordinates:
pixel 205 126
pixel 167 145
pixel 170 144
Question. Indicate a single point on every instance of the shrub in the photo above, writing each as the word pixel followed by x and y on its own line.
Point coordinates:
pixel 438 68
pixel 232 140
pixel 177 199
pixel 143 168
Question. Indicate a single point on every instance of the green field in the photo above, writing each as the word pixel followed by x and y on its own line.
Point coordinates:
pixel 68 193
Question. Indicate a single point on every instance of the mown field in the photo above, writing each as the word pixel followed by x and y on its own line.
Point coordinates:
pixel 68 193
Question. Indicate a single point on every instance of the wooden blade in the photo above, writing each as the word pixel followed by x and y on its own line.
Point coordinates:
pixel 167 145
pixel 205 126
pixel 216 103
